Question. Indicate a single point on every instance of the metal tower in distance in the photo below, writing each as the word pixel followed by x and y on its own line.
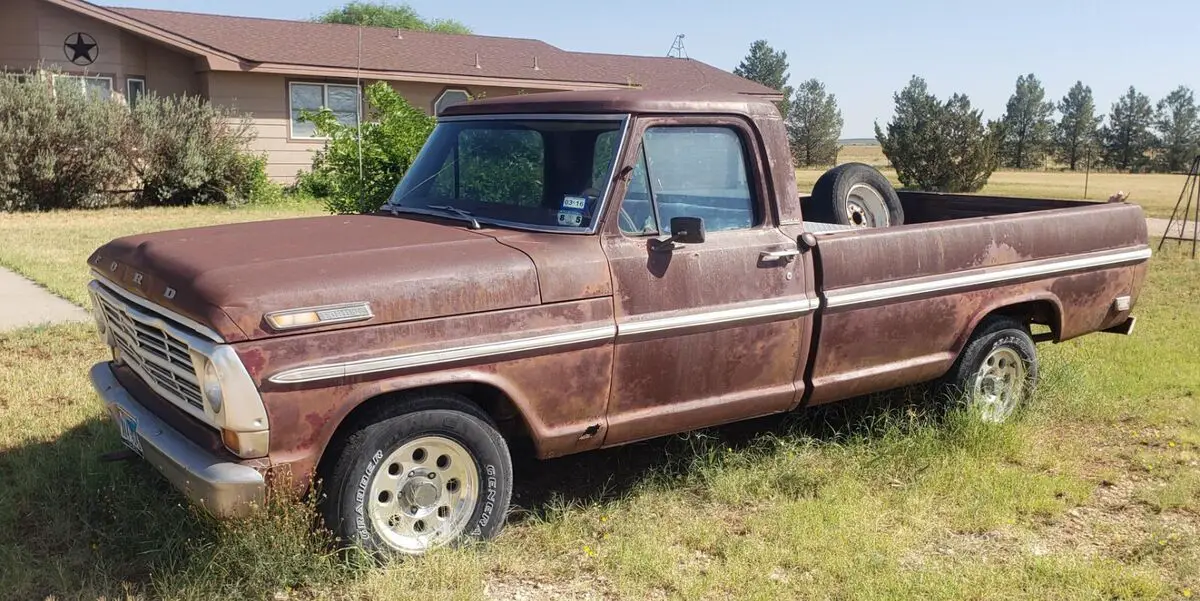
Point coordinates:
pixel 677 50
pixel 1187 207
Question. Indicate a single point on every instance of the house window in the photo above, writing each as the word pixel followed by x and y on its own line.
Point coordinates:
pixel 312 97
pixel 449 98
pixel 91 86
pixel 135 88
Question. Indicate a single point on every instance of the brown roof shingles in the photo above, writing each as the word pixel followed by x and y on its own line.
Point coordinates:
pixel 303 43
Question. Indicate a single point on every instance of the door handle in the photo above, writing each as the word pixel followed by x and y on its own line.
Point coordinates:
pixel 779 255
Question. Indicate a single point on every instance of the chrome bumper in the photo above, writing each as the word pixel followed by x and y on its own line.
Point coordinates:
pixel 224 488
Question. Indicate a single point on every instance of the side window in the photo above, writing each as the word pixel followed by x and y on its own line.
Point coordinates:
pixel 691 172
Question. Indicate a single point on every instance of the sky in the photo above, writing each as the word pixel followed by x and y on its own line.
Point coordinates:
pixel 863 50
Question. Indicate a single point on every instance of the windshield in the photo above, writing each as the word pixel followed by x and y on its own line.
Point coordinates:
pixel 544 173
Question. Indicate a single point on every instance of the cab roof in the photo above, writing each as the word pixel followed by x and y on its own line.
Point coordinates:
pixel 616 102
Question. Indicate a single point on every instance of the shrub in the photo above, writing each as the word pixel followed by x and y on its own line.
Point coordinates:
pixel 58 149
pixel 392 133
pixel 61 148
pixel 318 182
pixel 187 151
pixel 936 146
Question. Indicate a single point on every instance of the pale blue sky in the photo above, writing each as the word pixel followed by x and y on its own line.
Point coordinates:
pixel 863 50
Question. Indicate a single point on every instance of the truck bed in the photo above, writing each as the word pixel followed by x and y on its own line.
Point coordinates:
pixel 1063 262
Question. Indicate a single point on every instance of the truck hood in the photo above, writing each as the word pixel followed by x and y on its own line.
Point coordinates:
pixel 228 277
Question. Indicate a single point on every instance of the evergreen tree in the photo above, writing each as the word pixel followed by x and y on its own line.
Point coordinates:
pixel 768 67
pixel 935 146
pixel 1178 127
pixel 1077 131
pixel 814 125
pixel 1027 126
pixel 1126 139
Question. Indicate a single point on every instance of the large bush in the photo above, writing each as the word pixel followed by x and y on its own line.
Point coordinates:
pixel 936 146
pixel 58 150
pixel 61 148
pixel 392 134
pixel 184 150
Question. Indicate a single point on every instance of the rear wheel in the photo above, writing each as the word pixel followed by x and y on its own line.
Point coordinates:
pixel 857 195
pixel 997 372
pixel 436 474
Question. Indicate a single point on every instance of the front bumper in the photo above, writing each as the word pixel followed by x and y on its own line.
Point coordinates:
pixel 223 487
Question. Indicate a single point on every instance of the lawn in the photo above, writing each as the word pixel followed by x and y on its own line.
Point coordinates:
pixel 52 248
pixel 1157 193
pixel 1093 493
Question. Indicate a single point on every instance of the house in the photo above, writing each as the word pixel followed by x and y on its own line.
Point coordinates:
pixel 273 70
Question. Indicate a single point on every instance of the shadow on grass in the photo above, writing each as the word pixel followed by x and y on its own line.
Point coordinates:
pixel 608 474
pixel 75 526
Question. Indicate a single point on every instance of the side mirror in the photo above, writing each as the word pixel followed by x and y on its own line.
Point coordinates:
pixel 688 230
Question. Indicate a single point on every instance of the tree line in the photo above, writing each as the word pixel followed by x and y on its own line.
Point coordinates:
pixel 949 146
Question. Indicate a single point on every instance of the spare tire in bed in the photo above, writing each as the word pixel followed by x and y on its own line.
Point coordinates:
pixel 856 195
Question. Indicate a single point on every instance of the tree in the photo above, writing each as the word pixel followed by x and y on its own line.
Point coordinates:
pixel 392 134
pixel 1178 126
pixel 1126 139
pixel 386 14
pixel 769 67
pixel 1076 133
pixel 814 125
pixel 935 146
pixel 1026 127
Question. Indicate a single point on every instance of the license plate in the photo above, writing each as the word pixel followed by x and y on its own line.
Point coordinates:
pixel 129 429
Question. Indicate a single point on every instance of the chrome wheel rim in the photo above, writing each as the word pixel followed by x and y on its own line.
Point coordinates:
pixel 423 494
pixel 865 207
pixel 999 385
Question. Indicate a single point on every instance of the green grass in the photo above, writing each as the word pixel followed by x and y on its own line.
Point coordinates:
pixel 1091 494
pixel 53 248
pixel 1157 193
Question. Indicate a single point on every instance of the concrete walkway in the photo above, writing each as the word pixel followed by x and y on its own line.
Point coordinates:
pixel 23 303
pixel 1159 226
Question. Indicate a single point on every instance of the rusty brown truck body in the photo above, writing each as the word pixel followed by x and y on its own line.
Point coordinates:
pixel 539 274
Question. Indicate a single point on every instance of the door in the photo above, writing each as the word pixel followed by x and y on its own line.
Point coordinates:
pixel 712 332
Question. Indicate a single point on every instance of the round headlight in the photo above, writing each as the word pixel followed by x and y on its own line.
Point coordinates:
pixel 211 386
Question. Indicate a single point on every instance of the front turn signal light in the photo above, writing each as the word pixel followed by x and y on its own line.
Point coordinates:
pixel 318 316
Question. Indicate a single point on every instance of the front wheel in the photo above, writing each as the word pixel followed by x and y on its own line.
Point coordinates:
pixel 997 372
pixel 437 474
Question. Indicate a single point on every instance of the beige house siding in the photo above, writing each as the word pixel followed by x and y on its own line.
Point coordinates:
pixel 32 34
pixel 19 34
pixel 265 99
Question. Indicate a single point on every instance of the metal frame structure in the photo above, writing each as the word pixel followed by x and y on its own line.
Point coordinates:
pixel 1189 202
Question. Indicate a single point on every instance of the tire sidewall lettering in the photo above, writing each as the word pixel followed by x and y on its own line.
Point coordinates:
pixel 360 496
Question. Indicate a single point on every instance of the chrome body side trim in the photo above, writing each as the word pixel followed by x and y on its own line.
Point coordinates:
pixel 315 373
pixel 725 316
pixel 434 357
pixel 916 286
pixel 199 328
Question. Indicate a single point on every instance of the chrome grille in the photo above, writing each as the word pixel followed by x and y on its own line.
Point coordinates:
pixel 162 360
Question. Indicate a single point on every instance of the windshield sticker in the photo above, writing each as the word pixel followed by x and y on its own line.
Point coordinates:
pixel 570 218
pixel 574 202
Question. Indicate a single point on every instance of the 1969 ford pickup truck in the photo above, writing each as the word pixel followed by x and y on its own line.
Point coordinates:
pixel 580 270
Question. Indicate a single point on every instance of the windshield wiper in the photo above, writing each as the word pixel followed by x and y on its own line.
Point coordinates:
pixel 457 211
